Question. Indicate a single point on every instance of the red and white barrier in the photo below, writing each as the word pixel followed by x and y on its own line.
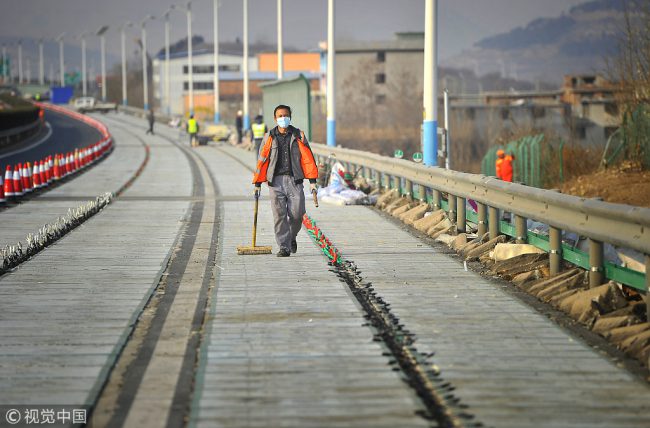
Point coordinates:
pixel 23 179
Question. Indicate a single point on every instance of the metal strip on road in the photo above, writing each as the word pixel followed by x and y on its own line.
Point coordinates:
pixel 511 365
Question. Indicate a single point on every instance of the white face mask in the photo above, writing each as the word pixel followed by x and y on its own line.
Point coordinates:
pixel 283 122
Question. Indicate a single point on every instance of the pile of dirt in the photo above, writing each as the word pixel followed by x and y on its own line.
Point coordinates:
pixel 627 183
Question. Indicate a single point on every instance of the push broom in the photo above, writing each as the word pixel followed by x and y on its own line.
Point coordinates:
pixel 252 250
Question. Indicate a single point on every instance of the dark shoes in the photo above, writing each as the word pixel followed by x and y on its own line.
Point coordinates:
pixel 285 253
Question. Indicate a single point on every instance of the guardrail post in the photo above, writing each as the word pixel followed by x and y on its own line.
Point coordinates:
pixel 520 229
pixel 647 287
pixel 482 219
pixel 555 249
pixel 596 256
pixel 451 199
pixel 409 189
pixel 422 193
pixel 461 217
pixel 493 222
pixel 436 199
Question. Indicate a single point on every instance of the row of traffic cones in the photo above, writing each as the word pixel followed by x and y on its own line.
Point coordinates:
pixel 23 178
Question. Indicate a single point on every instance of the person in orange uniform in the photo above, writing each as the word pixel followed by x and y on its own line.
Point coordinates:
pixel 499 162
pixel 285 160
pixel 507 167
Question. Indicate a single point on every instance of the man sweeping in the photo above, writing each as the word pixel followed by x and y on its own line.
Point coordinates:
pixel 285 160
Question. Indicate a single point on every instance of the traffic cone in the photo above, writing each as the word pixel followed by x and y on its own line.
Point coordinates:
pixel 2 191
pixel 64 168
pixel 36 177
pixel 70 165
pixel 41 173
pixel 61 166
pixel 56 169
pixel 9 183
pixel 48 172
pixel 27 178
pixel 50 169
pixel 18 185
pixel 23 177
pixel 77 163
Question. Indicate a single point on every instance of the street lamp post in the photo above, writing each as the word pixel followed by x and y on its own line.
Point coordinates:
pixel 20 62
pixel 4 63
pixel 145 70
pixel 41 68
pixel 84 85
pixel 430 122
pixel 217 113
pixel 61 63
pixel 100 33
pixel 331 106
pixel 280 44
pixel 123 36
pixel 167 94
pixel 246 119
pixel 190 66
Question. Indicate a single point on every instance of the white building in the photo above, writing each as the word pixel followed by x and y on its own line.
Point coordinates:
pixel 203 66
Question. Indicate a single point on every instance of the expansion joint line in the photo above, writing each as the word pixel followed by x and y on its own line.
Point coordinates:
pixel 442 406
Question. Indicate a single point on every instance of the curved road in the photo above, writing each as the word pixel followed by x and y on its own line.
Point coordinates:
pixel 66 135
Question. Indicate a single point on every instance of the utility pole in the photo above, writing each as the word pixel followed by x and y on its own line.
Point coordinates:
pixel 61 63
pixel 430 122
pixel 41 68
pixel 102 39
pixel 331 105
pixel 280 44
pixel 123 36
pixel 217 114
pixel 246 121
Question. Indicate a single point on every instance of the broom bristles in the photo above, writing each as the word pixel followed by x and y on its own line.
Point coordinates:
pixel 254 250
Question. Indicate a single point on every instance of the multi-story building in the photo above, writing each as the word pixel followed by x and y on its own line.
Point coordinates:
pixel 262 68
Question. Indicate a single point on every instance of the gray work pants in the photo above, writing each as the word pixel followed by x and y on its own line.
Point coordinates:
pixel 288 206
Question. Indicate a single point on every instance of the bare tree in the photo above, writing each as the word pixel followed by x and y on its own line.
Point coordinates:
pixel 631 67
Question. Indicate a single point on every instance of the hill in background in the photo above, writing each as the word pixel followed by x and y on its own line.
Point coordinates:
pixel 548 48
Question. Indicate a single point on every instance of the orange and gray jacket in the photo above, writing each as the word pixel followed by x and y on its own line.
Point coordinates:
pixel 303 164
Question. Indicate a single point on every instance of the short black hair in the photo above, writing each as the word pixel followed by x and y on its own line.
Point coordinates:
pixel 282 107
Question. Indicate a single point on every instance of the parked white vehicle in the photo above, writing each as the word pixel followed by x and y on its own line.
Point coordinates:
pixel 88 104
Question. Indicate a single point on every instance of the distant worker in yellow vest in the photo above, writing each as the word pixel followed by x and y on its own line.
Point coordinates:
pixel 259 129
pixel 192 129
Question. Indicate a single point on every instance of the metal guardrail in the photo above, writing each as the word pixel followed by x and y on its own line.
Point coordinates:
pixel 602 222
pixel 14 135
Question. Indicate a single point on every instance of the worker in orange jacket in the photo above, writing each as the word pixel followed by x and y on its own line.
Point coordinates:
pixel 285 160
pixel 507 167
pixel 499 162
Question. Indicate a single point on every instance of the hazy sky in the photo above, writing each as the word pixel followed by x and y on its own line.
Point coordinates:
pixel 462 22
